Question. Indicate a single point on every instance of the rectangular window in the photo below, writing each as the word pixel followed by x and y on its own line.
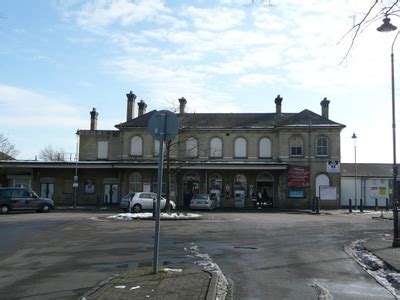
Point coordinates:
pixel 296 151
pixel 102 149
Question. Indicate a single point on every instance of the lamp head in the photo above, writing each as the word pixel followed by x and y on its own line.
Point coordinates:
pixel 386 26
pixel 354 136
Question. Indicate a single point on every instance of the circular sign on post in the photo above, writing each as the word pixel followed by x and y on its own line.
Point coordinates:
pixel 163 125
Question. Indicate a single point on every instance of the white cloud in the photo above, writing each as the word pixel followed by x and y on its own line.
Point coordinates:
pixel 25 108
pixel 218 18
pixel 95 15
pixel 257 79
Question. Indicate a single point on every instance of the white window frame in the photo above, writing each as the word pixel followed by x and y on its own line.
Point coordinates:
pixel 296 142
pixel 136 146
pixel 265 148
pixel 240 147
pixel 191 147
pixel 325 147
pixel 216 147
pixel 102 149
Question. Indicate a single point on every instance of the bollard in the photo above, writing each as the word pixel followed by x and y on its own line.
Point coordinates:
pixel 387 204
pixel 361 205
pixel 313 205
pixel 350 206
pixel 376 204
pixel 317 205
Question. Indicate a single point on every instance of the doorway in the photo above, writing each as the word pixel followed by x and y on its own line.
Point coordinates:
pixel 47 190
pixel 191 186
pixel 110 193
pixel 265 187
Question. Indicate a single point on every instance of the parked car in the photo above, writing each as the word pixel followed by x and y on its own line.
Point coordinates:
pixel 124 203
pixel 202 201
pixel 23 199
pixel 138 201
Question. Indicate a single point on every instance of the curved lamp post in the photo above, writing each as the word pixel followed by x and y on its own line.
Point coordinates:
pixel 388 27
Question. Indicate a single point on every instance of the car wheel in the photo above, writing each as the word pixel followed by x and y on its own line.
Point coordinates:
pixel 4 209
pixel 137 208
pixel 45 208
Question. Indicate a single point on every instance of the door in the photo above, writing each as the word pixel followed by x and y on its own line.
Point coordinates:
pixel 191 188
pixel 110 193
pixel 18 198
pixel 47 190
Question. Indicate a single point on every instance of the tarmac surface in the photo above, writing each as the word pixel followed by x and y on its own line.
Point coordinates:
pixel 191 282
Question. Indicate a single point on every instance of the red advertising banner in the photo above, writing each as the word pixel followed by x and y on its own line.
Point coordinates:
pixel 298 177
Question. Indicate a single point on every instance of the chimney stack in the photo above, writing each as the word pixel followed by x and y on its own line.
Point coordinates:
pixel 142 108
pixel 182 105
pixel 278 103
pixel 325 108
pixel 93 119
pixel 130 109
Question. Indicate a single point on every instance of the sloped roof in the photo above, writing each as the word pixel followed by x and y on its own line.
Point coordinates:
pixel 238 120
pixel 4 156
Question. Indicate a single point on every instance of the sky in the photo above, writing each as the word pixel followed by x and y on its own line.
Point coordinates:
pixel 61 58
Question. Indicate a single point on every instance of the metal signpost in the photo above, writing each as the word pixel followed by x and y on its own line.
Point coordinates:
pixel 163 126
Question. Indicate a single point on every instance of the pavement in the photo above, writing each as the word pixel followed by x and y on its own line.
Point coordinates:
pixel 382 248
pixel 168 283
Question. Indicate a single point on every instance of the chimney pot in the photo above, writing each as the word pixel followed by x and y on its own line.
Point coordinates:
pixel 130 106
pixel 93 119
pixel 278 104
pixel 182 105
pixel 325 108
pixel 142 108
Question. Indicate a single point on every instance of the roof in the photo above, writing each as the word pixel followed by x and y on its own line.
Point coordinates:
pixel 367 170
pixel 146 164
pixel 239 120
pixel 4 156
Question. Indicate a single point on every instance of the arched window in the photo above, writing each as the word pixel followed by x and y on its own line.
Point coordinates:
pixel 321 179
pixel 240 147
pixel 240 182
pixel 157 147
pixel 216 182
pixel 135 182
pixel 296 146
pixel 191 147
pixel 264 148
pixel 322 146
pixel 137 146
pixel 216 147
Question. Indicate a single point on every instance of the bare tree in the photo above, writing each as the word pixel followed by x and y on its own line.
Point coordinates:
pixel 50 154
pixel 7 149
pixel 378 10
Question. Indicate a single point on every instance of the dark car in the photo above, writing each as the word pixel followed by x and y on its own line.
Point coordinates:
pixel 23 199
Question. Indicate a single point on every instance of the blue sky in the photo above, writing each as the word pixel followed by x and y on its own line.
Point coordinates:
pixel 59 59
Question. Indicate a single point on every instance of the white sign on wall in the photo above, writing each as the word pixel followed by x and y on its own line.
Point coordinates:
pixel 333 166
pixel 327 192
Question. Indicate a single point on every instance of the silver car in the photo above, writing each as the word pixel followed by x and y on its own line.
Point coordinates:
pixel 202 201
pixel 137 202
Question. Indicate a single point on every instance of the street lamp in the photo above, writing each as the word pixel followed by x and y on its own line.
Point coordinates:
pixel 387 27
pixel 354 137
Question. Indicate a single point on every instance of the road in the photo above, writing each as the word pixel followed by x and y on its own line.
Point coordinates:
pixel 266 255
